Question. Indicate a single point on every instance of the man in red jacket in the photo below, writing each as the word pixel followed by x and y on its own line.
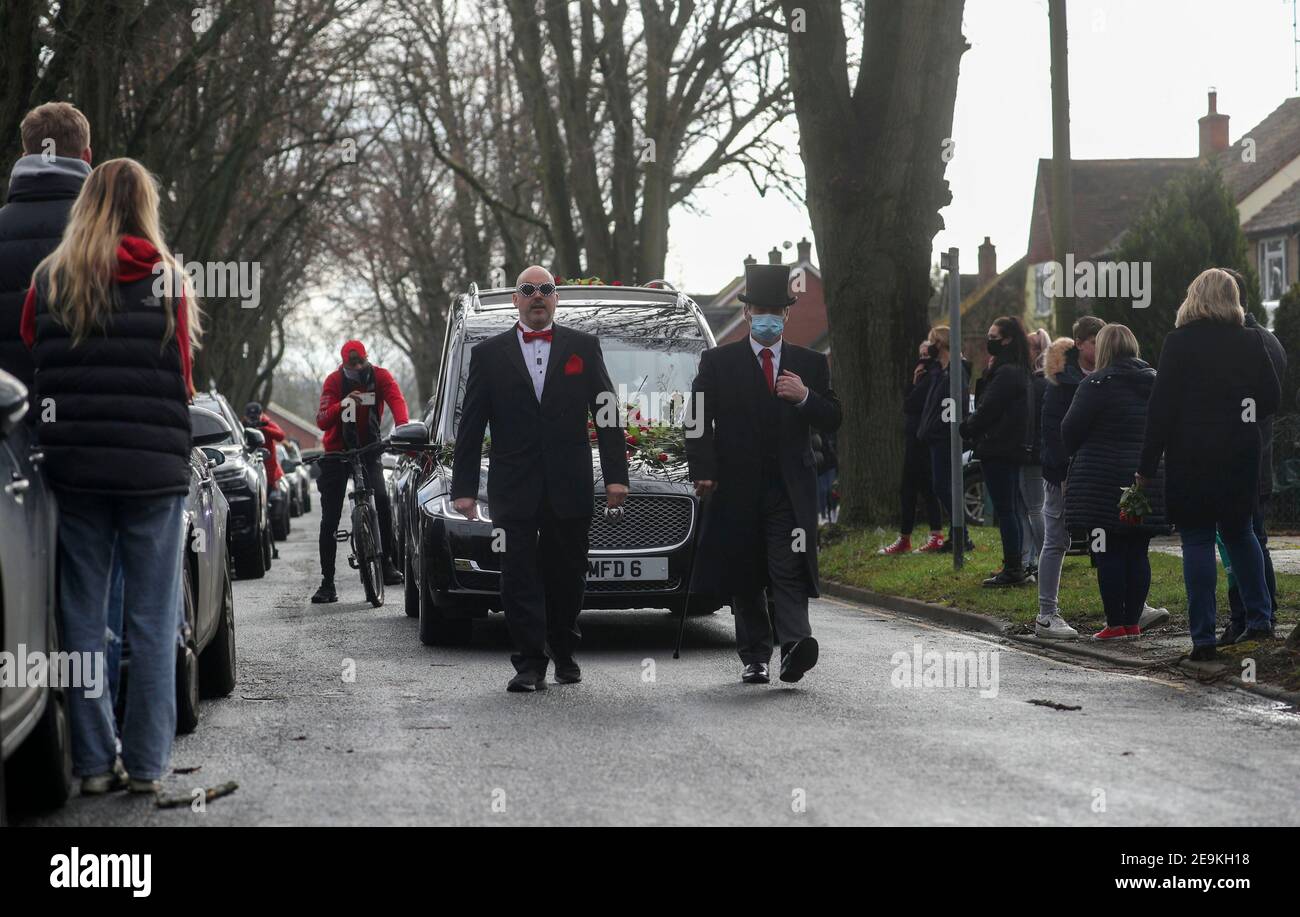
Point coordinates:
pixel 351 410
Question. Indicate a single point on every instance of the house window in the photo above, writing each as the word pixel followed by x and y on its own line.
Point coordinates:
pixel 1272 272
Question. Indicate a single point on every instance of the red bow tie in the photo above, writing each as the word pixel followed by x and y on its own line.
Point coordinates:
pixel 530 336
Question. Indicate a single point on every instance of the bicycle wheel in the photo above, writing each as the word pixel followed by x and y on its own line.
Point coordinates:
pixel 365 545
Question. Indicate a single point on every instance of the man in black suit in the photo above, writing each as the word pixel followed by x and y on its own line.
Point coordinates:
pixel 761 398
pixel 535 385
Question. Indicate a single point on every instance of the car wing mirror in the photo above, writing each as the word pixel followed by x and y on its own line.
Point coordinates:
pixel 254 438
pixel 13 402
pixel 414 433
pixel 215 457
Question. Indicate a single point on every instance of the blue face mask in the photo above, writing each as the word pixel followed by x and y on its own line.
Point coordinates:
pixel 766 328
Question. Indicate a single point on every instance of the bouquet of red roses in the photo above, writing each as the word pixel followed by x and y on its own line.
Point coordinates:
pixel 1133 505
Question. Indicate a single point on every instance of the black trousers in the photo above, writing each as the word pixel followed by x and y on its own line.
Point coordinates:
pixel 787 575
pixel 918 482
pixel 543 580
pixel 333 486
pixel 1124 576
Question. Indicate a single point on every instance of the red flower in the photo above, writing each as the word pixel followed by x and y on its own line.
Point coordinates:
pixel 590 424
pixel 663 456
pixel 632 439
pixel 592 436
pixel 644 429
pixel 616 283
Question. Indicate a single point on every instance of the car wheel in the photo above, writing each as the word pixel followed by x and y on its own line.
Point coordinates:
pixel 268 549
pixel 412 597
pixel 437 628
pixel 187 668
pixel 973 498
pixel 249 556
pixel 217 663
pixel 38 775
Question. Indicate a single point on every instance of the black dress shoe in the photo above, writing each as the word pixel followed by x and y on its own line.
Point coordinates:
pixel 1256 633
pixel 567 672
pixel 1205 653
pixel 325 594
pixel 392 576
pixel 526 682
pixel 1008 576
pixel 797 658
pixel 755 674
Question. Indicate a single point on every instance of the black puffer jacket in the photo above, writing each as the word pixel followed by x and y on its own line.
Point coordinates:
pixel 932 429
pixel 1064 375
pixel 1102 432
pixel 1000 428
pixel 31 223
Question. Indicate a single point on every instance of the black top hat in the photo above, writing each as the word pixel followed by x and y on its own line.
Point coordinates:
pixel 767 285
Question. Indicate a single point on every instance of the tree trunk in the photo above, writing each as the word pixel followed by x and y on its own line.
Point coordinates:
pixel 875 158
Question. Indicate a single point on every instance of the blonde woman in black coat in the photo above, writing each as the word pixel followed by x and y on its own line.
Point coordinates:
pixel 1215 384
pixel 1103 433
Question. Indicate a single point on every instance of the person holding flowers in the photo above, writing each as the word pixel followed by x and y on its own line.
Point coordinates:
pixel 1102 433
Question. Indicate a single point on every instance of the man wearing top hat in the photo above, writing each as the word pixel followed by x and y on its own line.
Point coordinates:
pixel 760 400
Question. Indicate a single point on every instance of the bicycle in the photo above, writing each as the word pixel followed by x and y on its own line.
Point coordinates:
pixel 365 538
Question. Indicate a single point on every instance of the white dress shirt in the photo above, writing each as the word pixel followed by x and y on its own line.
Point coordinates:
pixel 776 362
pixel 537 354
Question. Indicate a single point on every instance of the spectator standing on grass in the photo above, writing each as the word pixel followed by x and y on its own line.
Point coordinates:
pixel 1031 473
pixel 1277 353
pixel 112 325
pixel 933 427
pixel 1102 433
pixel 1215 385
pixel 918 480
pixel 1002 431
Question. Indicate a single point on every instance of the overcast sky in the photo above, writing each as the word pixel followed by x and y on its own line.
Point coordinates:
pixel 1139 73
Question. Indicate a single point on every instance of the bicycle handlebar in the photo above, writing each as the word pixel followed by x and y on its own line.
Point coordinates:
pixel 346 455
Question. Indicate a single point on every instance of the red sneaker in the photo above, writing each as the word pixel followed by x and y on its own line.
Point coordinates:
pixel 901 546
pixel 1111 633
pixel 934 543
pixel 1133 630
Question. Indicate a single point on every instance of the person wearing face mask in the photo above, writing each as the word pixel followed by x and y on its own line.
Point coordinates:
pixel 351 410
pixel 917 481
pixel 1002 429
pixel 753 466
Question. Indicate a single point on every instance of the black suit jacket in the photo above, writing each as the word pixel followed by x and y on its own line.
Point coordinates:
pixel 537 447
pixel 729 450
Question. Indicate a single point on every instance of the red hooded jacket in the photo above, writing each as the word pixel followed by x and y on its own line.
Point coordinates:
pixel 271 430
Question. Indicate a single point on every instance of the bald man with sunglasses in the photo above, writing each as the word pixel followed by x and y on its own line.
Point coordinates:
pixel 536 385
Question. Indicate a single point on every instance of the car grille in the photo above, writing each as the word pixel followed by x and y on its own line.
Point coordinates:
pixel 650 523
pixel 669 585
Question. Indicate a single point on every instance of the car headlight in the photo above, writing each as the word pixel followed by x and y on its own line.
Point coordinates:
pixel 442 506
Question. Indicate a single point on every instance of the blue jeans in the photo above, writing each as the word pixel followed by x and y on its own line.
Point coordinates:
pixel 114 635
pixel 1201 573
pixel 1234 595
pixel 1003 480
pixel 147 531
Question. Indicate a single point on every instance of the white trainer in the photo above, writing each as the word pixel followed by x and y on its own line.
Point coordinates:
pixel 1152 617
pixel 1054 628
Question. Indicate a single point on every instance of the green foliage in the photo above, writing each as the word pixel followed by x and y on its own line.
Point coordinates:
pixel 1187 225
pixel 1286 325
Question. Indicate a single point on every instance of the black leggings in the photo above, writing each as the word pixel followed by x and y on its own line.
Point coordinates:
pixel 1123 576
pixel 917 482
pixel 333 485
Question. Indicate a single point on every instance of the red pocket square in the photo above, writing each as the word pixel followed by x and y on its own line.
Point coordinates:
pixel 573 365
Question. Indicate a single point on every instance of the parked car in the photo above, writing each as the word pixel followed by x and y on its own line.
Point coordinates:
pixel 299 476
pixel 652 339
pixel 205 655
pixel 35 739
pixel 241 475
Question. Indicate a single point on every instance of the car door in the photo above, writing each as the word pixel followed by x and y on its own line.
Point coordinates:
pixel 203 541
pixel 25 565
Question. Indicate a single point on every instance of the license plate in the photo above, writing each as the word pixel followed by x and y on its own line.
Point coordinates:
pixel 627 568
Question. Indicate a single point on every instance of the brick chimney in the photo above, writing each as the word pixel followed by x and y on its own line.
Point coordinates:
pixel 988 261
pixel 804 248
pixel 774 256
pixel 1214 129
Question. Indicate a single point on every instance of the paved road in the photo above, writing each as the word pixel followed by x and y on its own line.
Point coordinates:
pixel 430 736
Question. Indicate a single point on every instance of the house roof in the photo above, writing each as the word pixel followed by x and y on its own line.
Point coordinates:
pixel 1277 142
pixel 1012 279
pixel 1283 212
pixel 284 412
pixel 1108 194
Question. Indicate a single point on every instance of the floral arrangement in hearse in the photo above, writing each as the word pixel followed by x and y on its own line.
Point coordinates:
pixel 652 442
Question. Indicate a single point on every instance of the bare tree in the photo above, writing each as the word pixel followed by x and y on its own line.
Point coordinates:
pixel 875 151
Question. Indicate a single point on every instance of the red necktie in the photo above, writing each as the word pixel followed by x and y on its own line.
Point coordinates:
pixel 530 336
pixel 767 370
